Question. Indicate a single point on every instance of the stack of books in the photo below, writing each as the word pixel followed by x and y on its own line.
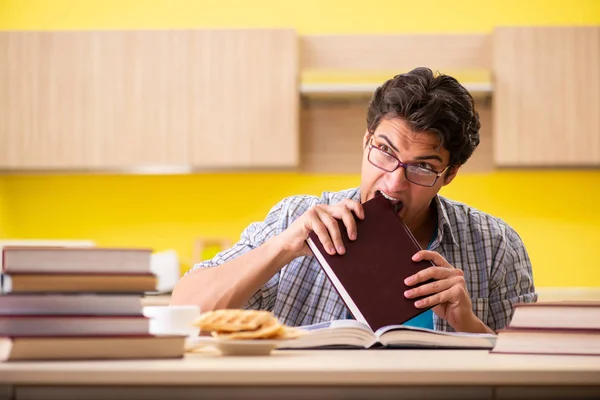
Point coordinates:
pixel 78 303
pixel 568 327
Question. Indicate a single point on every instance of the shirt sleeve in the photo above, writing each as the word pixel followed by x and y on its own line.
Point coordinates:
pixel 511 280
pixel 252 237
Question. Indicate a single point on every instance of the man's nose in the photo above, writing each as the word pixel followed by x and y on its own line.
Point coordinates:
pixel 396 180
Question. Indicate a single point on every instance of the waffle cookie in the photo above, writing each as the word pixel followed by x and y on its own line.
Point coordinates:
pixel 245 324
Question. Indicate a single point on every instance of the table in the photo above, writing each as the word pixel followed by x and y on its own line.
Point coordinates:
pixel 295 374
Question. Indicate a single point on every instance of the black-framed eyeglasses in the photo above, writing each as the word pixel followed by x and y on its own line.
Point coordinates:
pixel 388 162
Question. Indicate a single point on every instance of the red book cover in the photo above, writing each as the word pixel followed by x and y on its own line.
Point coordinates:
pixel 370 275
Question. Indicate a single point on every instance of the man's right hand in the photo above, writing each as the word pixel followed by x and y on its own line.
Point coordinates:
pixel 321 219
pixel 233 283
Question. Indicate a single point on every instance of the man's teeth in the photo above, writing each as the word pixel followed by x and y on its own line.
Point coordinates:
pixel 390 197
pixel 396 202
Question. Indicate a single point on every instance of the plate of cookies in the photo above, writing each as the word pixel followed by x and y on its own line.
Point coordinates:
pixel 243 332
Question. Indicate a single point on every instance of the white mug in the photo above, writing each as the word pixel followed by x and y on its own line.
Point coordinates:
pixel 173 320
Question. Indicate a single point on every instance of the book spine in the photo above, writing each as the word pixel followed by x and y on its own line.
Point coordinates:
pixel 412 237
pixel 2 265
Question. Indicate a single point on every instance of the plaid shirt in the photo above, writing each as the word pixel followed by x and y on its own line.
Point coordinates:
pixel 492 256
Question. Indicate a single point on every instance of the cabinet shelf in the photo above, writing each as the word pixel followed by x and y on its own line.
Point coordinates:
pixel 479 89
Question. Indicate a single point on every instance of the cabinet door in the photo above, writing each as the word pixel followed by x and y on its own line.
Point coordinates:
pixel 148 99
pixel 547 96
pixel 80 100
pixel 246 114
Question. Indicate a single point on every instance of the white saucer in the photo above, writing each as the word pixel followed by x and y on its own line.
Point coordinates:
pixel 238 347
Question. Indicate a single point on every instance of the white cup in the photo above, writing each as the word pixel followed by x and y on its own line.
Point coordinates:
pixel 172 320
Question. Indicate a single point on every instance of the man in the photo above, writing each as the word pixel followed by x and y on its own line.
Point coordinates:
pixel 420 129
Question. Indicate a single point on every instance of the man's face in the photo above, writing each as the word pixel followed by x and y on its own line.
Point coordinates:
pixel 394 136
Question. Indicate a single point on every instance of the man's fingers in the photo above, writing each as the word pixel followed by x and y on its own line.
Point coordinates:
pixel 334 230
pixel 434 287
pixel 321 230
pixel 432 256
pixel 429 288
pixel 344 211
pixel 438 298
pixel 431 273
pixel 322 220
pixel 356 207
pixel 350 224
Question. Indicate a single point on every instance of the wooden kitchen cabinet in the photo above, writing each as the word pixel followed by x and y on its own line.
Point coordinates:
pixel 158 99
pixel 546 96
pixel 250 117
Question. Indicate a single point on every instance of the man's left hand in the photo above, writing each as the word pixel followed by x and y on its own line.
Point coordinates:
pixel 447 293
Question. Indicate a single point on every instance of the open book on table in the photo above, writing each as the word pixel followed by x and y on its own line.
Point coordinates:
pixel 351 333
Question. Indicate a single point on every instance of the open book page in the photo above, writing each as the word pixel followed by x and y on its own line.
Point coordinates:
pixel 350 333
pixel 410 336
pixel 339 333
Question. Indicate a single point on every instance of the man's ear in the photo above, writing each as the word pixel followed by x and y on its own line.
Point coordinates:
pixel 450 174
pixel 366 138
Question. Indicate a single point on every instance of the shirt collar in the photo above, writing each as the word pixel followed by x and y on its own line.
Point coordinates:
pixel 444 226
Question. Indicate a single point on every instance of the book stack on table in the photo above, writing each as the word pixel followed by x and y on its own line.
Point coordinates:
pixel 78 303
pixel 567 327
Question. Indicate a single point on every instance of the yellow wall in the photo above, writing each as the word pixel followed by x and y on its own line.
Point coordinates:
pixel 554 211
pixel 307 16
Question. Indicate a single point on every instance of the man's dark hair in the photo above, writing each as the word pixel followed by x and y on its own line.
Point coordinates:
pixel 428 103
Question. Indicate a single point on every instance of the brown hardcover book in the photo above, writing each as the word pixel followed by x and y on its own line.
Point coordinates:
pixel 91 348
pixel 557 315
pixel 370 275
pixel 76 283
pixel 548 341
pixel 71 304
pixel 73 325
pixel 47 259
